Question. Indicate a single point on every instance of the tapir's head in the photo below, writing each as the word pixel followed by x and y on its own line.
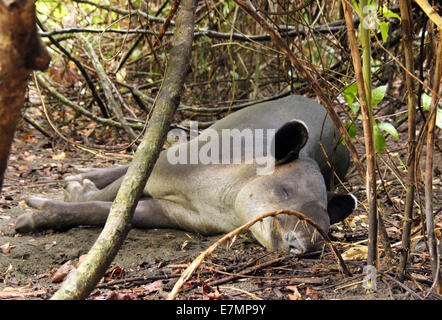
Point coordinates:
pixel 297 184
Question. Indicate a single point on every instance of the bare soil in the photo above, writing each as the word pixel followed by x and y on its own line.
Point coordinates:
pixel 150 261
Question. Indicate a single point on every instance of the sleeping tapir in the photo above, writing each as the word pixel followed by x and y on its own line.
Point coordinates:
pixel 261 158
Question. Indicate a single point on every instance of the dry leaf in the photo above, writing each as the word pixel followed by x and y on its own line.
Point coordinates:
pixel 154 286
pixel 59 156
pixel 184 245
pixel 62 272
pixel 296 295
pixel 6 248
pixel 311 293
pixel 356 253
pixel 22 203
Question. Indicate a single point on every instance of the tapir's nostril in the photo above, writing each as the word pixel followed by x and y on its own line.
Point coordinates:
pixel 295 250
pixel 296 246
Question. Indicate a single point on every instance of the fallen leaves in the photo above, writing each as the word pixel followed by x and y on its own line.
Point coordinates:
pixel 58 275
pixel 59 156
pixel 355 253
pixel 296 294
pixel 61 273
pixel 15 293
pixel 6 248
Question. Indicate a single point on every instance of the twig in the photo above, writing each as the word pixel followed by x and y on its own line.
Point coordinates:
pixel 364 84
pixel 429 215
pixel 403 286
pixel 82 71
pixel 106 86
pixel 245 272
pixel 430 12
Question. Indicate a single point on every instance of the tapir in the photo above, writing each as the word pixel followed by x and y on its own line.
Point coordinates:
pixel 214 183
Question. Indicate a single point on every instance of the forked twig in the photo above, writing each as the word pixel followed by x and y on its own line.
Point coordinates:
pixel 196 263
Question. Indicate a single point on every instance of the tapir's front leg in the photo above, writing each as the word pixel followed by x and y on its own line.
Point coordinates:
pixel 54 214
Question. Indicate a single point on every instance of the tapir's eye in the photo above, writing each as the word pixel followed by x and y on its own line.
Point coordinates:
pixel 283 192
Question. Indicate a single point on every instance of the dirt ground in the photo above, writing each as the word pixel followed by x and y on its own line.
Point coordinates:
pixel 150 261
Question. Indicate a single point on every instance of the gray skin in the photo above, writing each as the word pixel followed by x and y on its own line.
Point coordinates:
pixel 217 198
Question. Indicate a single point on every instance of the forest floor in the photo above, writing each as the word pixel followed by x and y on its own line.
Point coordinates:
pixel 150 261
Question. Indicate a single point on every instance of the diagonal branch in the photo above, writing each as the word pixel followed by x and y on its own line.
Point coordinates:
pixel 82 281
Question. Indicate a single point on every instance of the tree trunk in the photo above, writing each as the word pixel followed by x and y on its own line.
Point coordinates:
pixel 21 51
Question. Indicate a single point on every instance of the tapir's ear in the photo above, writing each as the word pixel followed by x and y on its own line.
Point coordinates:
pixel 340 206
pixel 289 140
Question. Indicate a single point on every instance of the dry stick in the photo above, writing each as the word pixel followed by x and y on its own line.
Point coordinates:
pixel 231 236
pixel 82 281
pixel 368 136
pixel 407 42
pixel 414 294
pixel 381 225
pixel 233 276
pixel 432 241
pixel 106 85
pixel 430 12
pixel 82 71
pixel 166 23
pixel 312 82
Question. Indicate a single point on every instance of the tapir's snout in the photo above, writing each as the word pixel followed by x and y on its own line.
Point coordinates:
pixel 304 238
pixel 300 244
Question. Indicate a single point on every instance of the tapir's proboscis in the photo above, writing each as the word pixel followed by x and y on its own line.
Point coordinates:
pixel 262 158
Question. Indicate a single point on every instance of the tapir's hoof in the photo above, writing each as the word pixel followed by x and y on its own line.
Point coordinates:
pixel 79 191
pixel 25 223
pixel 35 202
pixel 77 177
pixel 82 170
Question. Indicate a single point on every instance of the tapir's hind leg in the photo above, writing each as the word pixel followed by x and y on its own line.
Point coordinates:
pixel 83 191
pixel 100 177
pixel 94 184
pixel 54 214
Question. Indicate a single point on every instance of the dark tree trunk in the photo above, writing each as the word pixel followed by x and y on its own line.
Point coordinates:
pixel 21 51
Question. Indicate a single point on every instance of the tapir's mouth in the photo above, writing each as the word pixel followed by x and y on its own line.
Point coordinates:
pixel 295 245
pixel 300 244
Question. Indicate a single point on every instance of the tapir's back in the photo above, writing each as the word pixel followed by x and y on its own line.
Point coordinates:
pixel 273 114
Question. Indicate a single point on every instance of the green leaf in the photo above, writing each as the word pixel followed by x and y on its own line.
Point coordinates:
pixel 389 128
pixel 350 93
pixel 379 139
pixel 377 95
pixel 234 75
pixel 426 102
pixel 439 118
pixel 384 31
pixel 356 5
pixel 354 107
pixel 387 13
pixel 351 129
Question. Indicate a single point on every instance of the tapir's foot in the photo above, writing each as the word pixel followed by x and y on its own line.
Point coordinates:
pixel 79 191
pixel 26 222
